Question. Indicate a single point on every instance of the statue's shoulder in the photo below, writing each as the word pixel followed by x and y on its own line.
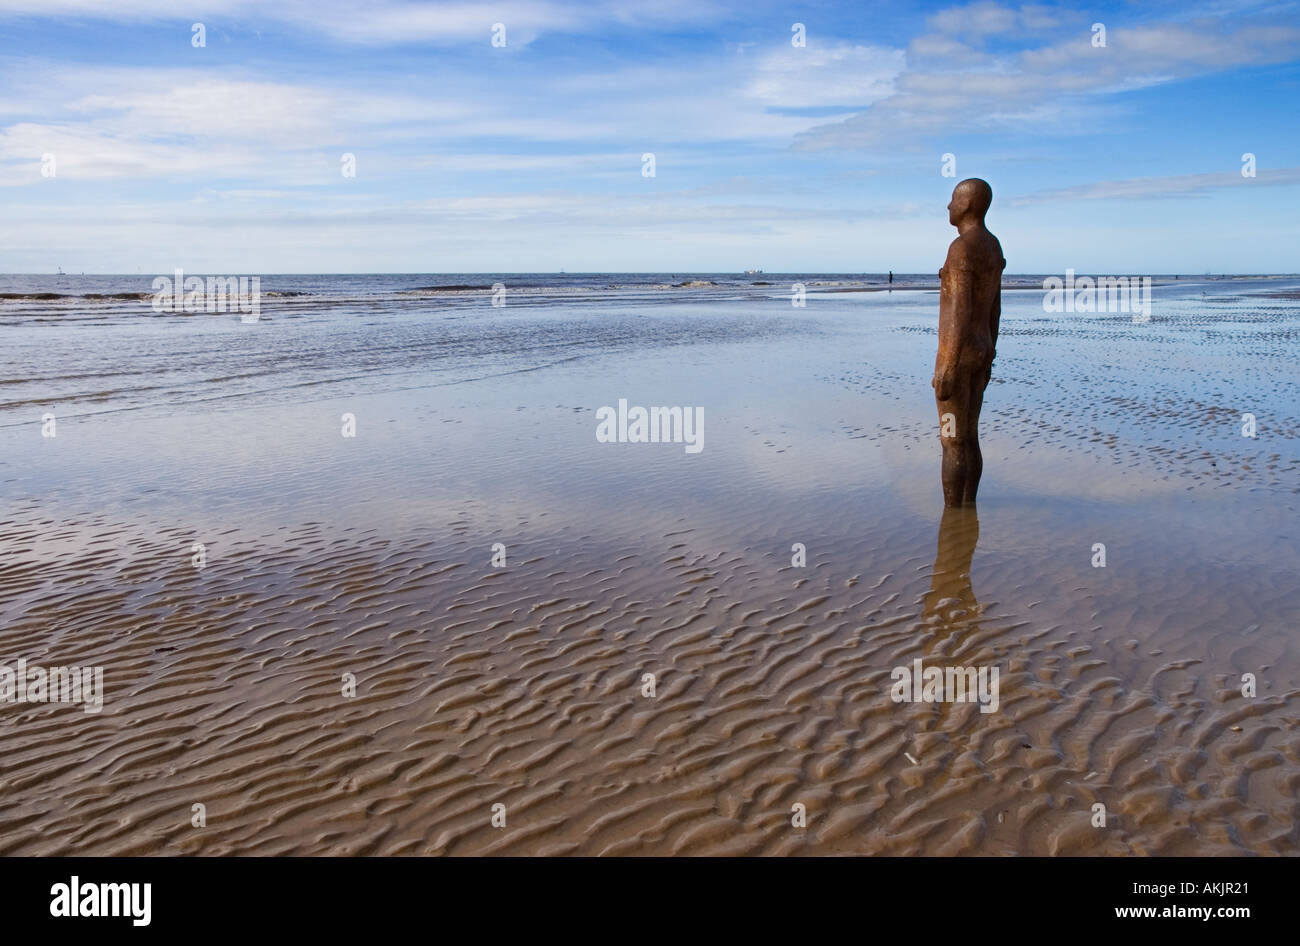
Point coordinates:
pixel 961 254
pixel 997 247
pixel 976 250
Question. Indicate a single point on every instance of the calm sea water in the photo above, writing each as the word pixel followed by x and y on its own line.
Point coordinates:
pixel 86 345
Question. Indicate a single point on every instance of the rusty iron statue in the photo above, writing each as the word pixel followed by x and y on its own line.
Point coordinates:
pixel 970 303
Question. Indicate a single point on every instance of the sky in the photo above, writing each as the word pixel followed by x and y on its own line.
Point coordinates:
pixel 512 137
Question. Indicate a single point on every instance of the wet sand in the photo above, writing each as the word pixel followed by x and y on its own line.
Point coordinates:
pixel 523 685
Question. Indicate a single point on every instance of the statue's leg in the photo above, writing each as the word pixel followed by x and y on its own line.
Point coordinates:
pixel 971 434
pixel 954 472
pixel 952 436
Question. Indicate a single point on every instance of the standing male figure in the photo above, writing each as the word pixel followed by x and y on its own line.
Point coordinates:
pixel 970 304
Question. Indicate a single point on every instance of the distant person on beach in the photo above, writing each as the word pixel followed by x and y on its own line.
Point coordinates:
pixel 891 277
pixel 970 304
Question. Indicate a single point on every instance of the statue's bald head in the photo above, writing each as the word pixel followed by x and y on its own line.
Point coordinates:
pixel 971 198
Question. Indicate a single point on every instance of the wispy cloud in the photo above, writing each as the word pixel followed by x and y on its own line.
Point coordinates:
pixel 1154 188
pixel 952 86
pixel 841 75
pixel 388 22
pixel 151 123
pixel 475 157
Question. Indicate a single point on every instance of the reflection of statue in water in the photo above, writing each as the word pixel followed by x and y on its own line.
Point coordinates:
pixel 970 304
pixel 951 600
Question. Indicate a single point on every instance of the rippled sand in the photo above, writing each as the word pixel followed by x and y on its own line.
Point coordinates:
pixel 523 685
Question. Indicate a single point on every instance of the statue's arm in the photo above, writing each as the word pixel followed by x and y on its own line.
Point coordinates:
pixel 961 292
pixel 997 306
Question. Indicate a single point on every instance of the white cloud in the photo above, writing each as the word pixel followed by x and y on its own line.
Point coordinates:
pixel 975 90
pixel 1180 185
pixel 978 19
pixel 158 123
pixel 811 77
pixel 381 22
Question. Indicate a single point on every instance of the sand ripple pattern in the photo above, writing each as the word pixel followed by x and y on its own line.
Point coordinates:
pixel 523 687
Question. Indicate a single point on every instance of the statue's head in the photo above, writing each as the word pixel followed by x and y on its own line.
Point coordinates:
pixel 970 198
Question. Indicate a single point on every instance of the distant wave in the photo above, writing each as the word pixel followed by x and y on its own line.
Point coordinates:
pixel 123 296
pixel 453 287
pixel 71 296
pixel 43 298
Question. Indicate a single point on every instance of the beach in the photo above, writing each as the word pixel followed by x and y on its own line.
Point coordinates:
pixel 388 634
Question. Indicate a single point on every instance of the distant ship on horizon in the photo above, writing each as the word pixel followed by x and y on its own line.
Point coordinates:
pixel 753 272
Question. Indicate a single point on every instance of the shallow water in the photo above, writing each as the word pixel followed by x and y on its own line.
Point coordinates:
pixel 522 685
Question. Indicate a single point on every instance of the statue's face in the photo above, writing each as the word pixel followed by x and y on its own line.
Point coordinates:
pixel 958 206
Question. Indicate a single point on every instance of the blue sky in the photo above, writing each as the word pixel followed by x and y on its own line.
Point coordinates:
pixel 479 158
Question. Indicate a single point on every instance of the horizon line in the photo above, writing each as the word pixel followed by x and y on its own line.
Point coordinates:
pixel 626 272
